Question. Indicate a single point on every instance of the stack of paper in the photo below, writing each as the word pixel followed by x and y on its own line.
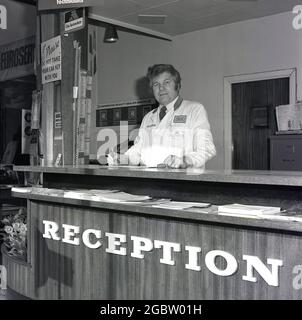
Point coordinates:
pixel 86 194
pixel 243 209
pixel 106 196
pixel 119 197
pixel 178 205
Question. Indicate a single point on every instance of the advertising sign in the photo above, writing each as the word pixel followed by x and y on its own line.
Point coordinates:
pixel 74 20
pixel 61 4
pixel 51 60
pixel 17 59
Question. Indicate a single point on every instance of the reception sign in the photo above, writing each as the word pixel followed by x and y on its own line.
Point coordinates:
pixel 17 59
pixel 51 60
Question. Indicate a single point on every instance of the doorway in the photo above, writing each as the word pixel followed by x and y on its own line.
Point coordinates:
pixel 254 121
pixel 15 96
pixel 249 115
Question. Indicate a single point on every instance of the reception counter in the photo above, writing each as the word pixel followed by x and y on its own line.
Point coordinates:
pixel 83 249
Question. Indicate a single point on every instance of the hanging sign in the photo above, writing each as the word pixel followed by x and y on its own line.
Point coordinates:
pixel 51 60
pixel 61 4
pixel 17 59
pixel 74 20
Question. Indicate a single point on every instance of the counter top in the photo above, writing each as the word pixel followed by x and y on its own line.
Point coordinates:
pixel 207 215
pixel 281 178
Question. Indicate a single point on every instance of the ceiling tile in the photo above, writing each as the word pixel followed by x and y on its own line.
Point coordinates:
pixel 172 25
pixel 116 8
pixel 153 3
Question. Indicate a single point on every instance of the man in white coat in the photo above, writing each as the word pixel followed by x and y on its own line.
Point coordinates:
pixel 176 134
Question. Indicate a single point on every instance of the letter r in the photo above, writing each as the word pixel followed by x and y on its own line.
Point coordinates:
pixel 50 230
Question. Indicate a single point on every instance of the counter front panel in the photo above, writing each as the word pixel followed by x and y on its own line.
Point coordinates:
pixel 80 249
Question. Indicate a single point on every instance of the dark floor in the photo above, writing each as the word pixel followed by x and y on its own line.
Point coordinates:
pixel 9 294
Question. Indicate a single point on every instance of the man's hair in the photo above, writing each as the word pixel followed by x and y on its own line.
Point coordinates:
pixel 158 69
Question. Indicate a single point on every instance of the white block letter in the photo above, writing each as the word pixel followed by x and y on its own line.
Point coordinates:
pixel 193 258
pixel 140 244
pixel 167 251
pixel 270 277
pixel 86 238
pixel 50 230
pixel 231 262
pixel 113 243
pixel 69 233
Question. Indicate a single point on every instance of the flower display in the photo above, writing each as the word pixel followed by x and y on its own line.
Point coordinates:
pixel 13 231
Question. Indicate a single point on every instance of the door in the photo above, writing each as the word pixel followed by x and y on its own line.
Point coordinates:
pixel 254 120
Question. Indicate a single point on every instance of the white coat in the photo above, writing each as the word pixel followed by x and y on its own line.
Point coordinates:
pixel 184 131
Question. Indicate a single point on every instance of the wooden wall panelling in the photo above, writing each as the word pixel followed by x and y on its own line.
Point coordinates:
pixel 68 69
pixel 152 280
pixel 65 271
pixel 45 258
pixel 18 274
pixel 86 275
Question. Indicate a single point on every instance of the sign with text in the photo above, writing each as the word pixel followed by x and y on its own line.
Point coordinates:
pixel 51 60
pixel 17 59
pixel 74 20
pixel 61 4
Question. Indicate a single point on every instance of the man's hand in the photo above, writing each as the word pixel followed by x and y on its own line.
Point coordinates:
pixel 175 162
pixel 116 159
pixel 113 158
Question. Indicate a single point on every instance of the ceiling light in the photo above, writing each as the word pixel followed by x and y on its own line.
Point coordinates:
pixel 110 34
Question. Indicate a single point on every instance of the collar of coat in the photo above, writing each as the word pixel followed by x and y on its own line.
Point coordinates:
pixel 177 104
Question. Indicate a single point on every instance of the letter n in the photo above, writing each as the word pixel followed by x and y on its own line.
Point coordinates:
pixel 270 277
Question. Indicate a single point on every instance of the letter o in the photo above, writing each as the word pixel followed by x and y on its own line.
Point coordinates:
pixel 231 267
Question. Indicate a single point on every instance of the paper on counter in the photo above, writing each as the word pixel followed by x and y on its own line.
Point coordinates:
pixel 119 197
pixel 239 209
pixel 180 205
pixel 21 189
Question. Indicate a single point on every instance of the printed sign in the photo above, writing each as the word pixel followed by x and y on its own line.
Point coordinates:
pixel 59 4
pixel 74 20
pixel 17 59
pixel 51 60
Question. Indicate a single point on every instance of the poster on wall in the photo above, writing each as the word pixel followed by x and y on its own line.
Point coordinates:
pixel 51 60
pixel 17 59
pixel 74 20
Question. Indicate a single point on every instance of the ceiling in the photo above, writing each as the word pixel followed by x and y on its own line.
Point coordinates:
pixel 173 17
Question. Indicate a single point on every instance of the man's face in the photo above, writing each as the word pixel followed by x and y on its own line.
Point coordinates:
pixel 163 87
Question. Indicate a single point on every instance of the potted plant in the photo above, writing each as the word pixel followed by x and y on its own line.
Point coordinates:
pixel 13 231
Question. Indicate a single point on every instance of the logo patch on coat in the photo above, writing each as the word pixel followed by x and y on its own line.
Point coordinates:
pixel 180 119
